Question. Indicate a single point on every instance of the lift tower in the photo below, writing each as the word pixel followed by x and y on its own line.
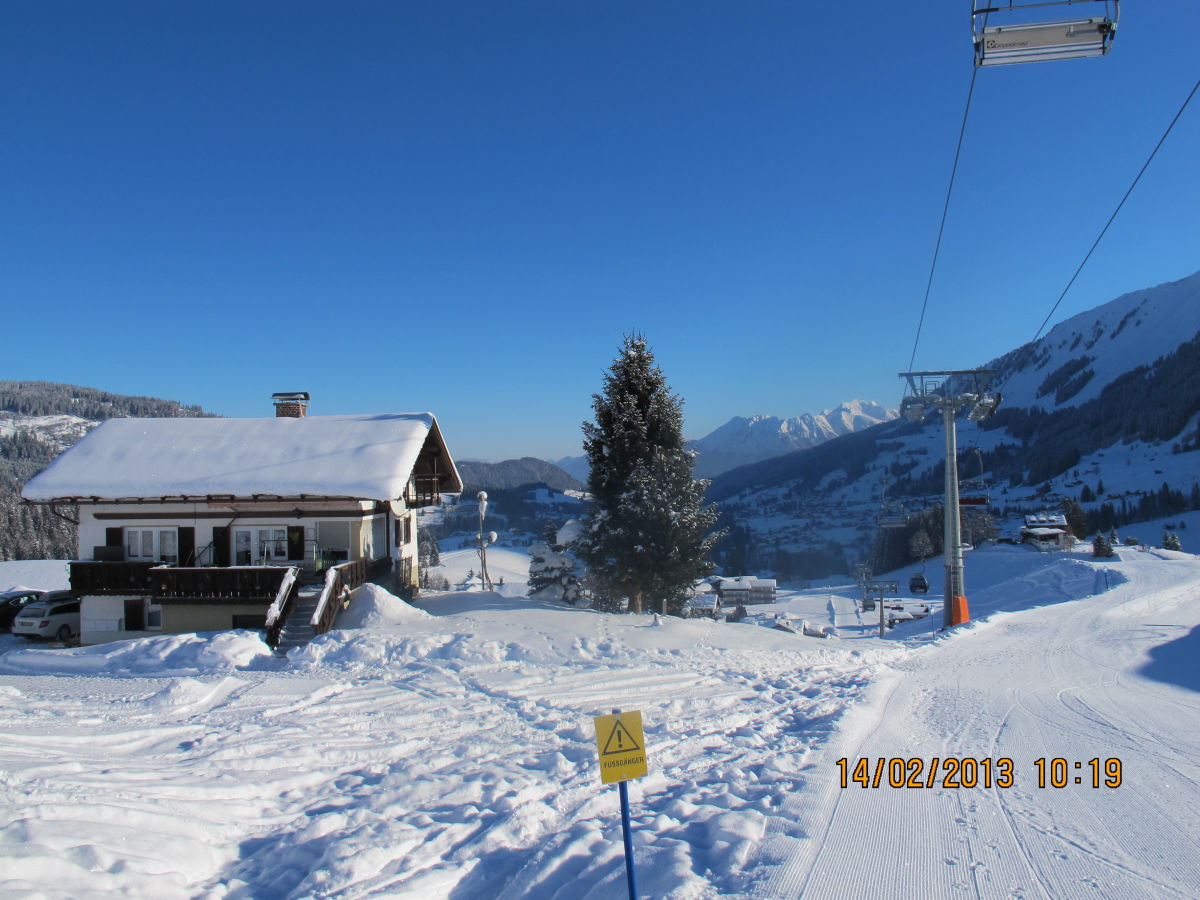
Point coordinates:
pixel 951 392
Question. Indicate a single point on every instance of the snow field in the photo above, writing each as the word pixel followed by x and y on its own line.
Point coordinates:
pixel 447 750
pixel 450 753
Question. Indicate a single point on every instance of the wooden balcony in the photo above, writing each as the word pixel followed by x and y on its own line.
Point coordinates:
pixel 423 490
pixel 236 584
pixel 239 584
pixel 111 577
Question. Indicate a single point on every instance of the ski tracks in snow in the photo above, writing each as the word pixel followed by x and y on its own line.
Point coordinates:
pixel 1070 691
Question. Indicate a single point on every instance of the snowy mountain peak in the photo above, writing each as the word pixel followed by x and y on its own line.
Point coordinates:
pixel 744 440
pixel 1080 356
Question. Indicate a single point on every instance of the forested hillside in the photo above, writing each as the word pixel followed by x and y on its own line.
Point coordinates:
pixel 512 473
pixel 38 420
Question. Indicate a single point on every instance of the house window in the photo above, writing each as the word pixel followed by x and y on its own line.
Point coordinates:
pixel 404 530
pixel 259 545
pixel 152 545
pixel 274 541
pixel 168 546
pixel 241 547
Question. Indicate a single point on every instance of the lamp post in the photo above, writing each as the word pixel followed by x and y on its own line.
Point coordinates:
pixel 485 579
pixel 936 390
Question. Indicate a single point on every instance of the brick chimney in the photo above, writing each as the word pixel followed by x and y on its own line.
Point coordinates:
pixel 290 405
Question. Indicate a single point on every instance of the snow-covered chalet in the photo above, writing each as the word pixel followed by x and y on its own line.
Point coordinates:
pixel 205 524
pixel 1047 531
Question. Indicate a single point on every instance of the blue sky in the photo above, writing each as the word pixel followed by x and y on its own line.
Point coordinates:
pixel 462 207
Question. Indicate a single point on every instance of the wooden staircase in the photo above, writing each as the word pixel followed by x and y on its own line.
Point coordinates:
pixel 298 630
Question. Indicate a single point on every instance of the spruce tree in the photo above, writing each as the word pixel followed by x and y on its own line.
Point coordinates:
pixel 1075 516
pixel 649 534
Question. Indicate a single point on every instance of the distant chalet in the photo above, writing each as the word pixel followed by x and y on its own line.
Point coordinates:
pixel 177 500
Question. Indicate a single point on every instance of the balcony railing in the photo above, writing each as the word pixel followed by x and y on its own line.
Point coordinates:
pixel 423 490
pixel 111 577
pixel 339 582
pixel 232 584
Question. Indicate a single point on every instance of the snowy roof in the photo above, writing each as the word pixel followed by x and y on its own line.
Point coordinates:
pixel 741 582
pixel 361 456
pixel 1046 519
pixel 1044 532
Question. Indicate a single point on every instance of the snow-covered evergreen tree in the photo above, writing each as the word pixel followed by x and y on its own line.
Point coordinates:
pixel 649 534
pixel 920 545
pixel 1101 548
pixel 1171 541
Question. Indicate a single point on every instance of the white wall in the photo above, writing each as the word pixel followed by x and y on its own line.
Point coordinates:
pixel 199 517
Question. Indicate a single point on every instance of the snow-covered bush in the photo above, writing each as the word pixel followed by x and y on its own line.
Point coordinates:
pixel 553 571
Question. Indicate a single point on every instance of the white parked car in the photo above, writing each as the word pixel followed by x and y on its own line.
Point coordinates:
pixel 53 615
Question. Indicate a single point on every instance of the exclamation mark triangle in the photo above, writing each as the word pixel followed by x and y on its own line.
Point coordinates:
pixel 619 741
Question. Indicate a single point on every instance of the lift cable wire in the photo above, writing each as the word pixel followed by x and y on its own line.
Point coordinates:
pixel 1029 347
pixel 945 209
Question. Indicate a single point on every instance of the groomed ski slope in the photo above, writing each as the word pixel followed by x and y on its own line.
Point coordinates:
pixel 448 751
pixel 1109 676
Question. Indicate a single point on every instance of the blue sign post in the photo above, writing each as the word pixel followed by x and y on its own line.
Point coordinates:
pixel 627 834
pixel 622 749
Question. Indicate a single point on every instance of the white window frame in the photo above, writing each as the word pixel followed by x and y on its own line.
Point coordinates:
pixel 268 544
pixel 146 543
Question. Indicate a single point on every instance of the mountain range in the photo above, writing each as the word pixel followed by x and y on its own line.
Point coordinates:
pixel 1103 410
pixel 742 440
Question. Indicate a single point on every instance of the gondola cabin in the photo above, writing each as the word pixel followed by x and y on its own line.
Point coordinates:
pixel 918 584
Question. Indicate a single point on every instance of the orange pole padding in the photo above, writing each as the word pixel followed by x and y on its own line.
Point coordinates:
pixel 959 613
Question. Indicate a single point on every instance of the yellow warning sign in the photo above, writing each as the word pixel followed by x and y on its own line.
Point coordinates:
pixel 621 745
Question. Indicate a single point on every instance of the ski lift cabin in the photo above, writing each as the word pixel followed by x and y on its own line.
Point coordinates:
pixel 974 491
pixel 892 517
pixel 1036 35
pixel 918 584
